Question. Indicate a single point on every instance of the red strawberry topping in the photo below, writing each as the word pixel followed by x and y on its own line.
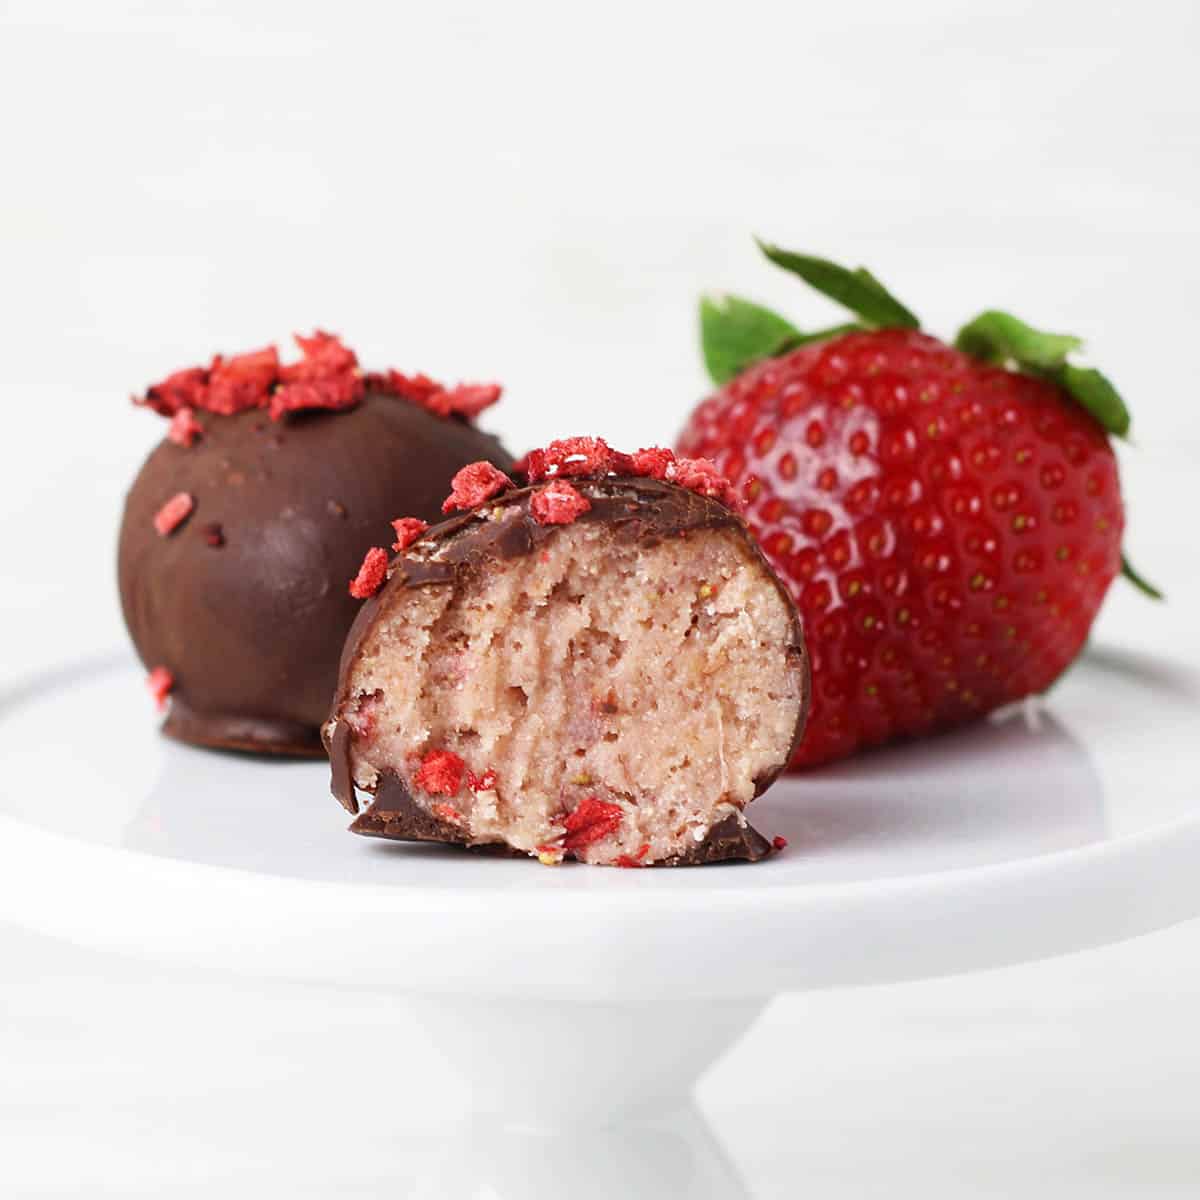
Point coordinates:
pixel 184 429
pixel 580 457
pixel 324 356
pixel 242 382
pixel 160 681
pixel 653 461
pixel 325 377
pixel 335 392
pixel 699 475
pixel 558 503
pixel 173 513
pixel 371 574
pixel 418 388
pixel 183 389
pixel 465 399
pixel 475 483
pixel 571 457
pixel 408 530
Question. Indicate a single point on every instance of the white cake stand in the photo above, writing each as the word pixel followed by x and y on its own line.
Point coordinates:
pixel 573 995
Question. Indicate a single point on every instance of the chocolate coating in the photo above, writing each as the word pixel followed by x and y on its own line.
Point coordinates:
pixel 397 817
pixel 251 622
pixel 635 509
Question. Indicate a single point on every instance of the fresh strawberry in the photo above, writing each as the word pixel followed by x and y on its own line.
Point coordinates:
pixel 948 519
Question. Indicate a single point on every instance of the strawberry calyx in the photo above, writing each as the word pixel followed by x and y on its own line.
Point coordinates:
pixel 1003 340
pixel 1139 581
pixel 735 333
pixel 857 289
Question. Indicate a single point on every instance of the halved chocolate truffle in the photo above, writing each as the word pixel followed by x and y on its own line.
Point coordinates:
pixel 244 527
pixel 600 666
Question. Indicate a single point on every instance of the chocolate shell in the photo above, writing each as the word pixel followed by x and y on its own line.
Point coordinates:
pixel 246 602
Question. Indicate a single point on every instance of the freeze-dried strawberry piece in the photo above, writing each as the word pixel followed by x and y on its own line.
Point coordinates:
pixel 160 681
pixel 633 860
pixel 173 513
pixel 371 574
pixel 558 503
pixel 335 392
pixel 325 377
pixel 323 355
pixel 214 535
pixel 184 429
pixel 591 821
pixel 440 773
pixel 779 842
pixel 699 475
pixel 183 389
pixel 464 399
pixel 571 457
pixel 418 388
pixel 651 461
pixel 475 483
pixel 408 530
pixel 241 382
pixel 579 456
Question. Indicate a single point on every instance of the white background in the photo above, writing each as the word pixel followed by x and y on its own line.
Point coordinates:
pixel 537 194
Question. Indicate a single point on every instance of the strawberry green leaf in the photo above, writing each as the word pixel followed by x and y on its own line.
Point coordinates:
pixel 999 337
pixel 857 290
pixel 1093 390
pixel 1138 581
pixel 735 333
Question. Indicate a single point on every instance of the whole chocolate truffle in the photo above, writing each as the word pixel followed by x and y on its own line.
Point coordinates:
pixel 243 529
pixel 601 666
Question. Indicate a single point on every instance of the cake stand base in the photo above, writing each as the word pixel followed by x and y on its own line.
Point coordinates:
pixel 545 1066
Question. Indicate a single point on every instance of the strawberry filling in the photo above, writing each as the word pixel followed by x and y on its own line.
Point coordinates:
pixel 440 773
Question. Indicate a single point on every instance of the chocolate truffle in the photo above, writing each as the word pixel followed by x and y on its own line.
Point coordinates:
pixel 243 529
pixel 599 665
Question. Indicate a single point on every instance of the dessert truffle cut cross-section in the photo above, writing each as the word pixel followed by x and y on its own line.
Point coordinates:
pixel 599 665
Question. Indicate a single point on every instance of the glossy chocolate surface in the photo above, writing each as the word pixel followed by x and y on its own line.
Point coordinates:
pixel 246 602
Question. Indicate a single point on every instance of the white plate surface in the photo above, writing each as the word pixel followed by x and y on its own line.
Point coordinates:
pixel 1019 838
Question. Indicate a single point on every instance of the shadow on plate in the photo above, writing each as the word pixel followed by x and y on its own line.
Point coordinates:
pixel 993 792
